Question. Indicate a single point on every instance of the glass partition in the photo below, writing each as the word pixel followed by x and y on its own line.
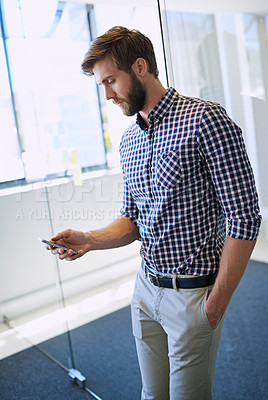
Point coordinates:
pixel 31 297
pixel 51 126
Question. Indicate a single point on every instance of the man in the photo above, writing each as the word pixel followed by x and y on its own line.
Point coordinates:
pixel 186 172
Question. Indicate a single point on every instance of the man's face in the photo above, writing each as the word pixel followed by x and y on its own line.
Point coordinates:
pixel 124 89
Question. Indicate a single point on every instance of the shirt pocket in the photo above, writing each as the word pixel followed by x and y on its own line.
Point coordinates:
pixel 168 171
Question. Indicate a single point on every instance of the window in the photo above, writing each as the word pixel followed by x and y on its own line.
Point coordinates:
pixel 57 107
pixel 10 154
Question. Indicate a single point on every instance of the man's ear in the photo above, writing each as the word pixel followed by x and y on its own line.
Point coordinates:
pixel 140 67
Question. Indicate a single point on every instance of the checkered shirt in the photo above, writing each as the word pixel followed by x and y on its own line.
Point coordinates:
pixel 184 178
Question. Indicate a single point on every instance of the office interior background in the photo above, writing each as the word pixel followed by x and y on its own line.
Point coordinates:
pixel 59 142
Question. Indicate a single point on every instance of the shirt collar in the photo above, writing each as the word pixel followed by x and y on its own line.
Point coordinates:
pixel 141 123
pixel 159 110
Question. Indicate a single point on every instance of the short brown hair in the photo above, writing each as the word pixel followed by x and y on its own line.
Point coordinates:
pixel 124 46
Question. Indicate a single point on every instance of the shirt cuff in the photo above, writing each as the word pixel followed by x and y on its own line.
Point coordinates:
pixel 247 230
pixel 132 218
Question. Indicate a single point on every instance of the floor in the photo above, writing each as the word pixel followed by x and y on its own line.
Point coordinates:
pixel 32 329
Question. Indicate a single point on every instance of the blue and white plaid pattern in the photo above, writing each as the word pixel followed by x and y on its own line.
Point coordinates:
pixel 183 178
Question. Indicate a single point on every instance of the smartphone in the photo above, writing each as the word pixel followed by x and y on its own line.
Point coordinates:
pixel 55 245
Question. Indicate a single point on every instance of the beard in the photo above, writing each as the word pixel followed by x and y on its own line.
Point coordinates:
pixel 136 97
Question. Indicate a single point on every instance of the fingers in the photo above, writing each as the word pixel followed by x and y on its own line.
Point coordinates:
pixel 51 248
pixel 55 250
pixel 69 254
pixel 64 254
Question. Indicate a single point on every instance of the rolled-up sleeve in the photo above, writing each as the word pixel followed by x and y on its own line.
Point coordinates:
pixel 129 208
pixel 221 143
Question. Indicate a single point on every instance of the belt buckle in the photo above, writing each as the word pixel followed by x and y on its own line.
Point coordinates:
pixel 175 283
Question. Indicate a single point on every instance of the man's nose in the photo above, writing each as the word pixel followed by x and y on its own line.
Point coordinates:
pixel 109 93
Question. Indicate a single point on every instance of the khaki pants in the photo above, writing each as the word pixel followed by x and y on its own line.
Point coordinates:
pixel 176 346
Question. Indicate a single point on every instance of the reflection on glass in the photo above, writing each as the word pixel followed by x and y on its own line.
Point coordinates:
pixel 253 49
pixel 194 49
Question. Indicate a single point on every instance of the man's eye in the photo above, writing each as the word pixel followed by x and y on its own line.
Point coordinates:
pixel 111 81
